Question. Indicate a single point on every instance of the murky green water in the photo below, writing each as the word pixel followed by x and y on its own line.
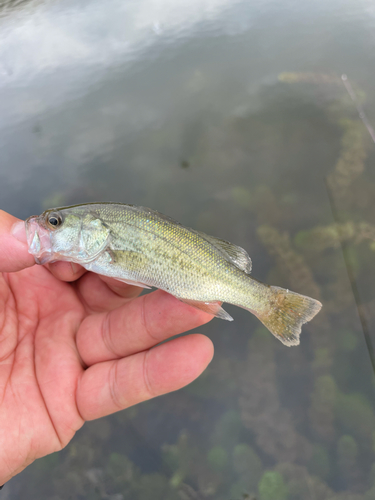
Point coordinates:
pixel 232 118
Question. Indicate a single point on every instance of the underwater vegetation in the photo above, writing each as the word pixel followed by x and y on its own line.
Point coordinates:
pixel 263 422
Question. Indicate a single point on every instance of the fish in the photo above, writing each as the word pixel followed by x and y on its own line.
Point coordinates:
pixel 142 247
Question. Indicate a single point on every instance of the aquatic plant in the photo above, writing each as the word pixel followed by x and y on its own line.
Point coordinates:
pixel 247 465
pixel 261 410
pixel 322 408
pixel 347 456
pixel 301 484
pixel 356 416
pixel 217 458
pixel 320 462
pixel 272 486
pixel 227 429
pixel 351 163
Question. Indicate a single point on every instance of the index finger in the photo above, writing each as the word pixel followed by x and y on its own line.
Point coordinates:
pixel 14 255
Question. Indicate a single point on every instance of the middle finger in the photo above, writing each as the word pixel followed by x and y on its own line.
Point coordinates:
pixel 135 326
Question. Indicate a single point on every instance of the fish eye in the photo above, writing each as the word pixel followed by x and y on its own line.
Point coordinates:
pixel 54 220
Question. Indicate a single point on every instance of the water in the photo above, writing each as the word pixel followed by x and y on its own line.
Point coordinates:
pixel 186 108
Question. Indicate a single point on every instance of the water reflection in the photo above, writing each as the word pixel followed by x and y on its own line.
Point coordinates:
pixel 212 113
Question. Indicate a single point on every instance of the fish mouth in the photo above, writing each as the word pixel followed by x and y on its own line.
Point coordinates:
pixel 38 240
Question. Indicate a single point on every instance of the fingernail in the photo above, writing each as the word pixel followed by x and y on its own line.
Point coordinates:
pixel 19 232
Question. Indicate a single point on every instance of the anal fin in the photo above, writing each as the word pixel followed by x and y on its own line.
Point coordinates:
pixel 209 307
pixel 133 283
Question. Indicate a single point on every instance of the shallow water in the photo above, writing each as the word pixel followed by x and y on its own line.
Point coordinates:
pixel 232 118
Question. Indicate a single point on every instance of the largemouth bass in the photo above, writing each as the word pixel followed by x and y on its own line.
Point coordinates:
pixel 145 248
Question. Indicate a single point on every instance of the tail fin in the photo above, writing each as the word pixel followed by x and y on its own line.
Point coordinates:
pixel 287 313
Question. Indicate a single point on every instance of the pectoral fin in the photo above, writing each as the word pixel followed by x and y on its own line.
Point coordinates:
pixel 209 307
pixel 93 239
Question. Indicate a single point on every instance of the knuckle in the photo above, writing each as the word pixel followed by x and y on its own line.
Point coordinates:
pixel 114 390
pixel 106 334
pixel 151 393
pixel 144 321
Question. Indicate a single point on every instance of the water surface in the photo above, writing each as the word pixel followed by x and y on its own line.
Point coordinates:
pixel 232 118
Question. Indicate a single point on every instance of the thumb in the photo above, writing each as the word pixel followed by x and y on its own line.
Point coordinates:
pixel 13 245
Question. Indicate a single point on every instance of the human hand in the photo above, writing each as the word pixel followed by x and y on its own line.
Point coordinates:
pixel 75 346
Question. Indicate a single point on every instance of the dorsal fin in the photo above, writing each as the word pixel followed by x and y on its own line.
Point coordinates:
pixel 235 254
pixel 147 210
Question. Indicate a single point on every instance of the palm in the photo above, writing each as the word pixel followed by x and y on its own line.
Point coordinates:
pixel 72 352
pixel 40 365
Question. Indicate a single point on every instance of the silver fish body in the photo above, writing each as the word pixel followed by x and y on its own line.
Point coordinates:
pixel 140 246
